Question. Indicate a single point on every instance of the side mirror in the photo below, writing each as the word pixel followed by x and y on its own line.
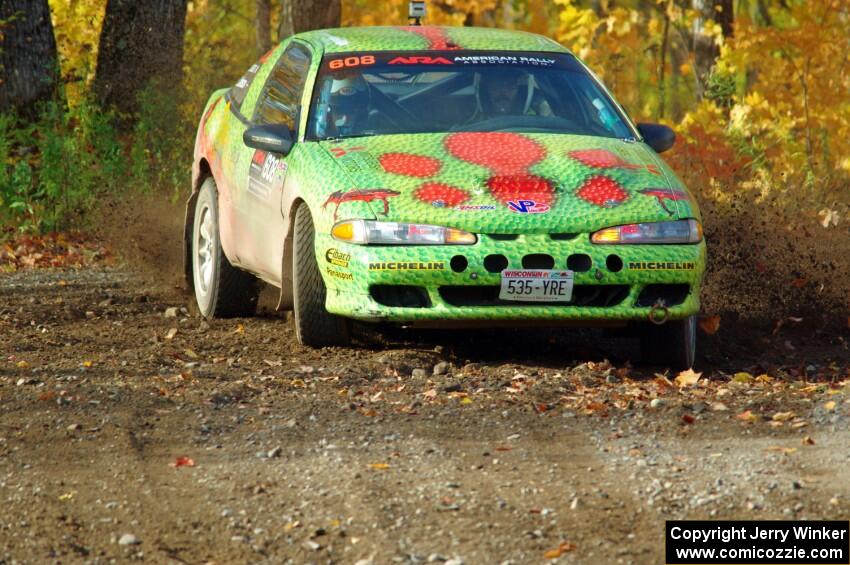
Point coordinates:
pixel 659 137
pixel 271 138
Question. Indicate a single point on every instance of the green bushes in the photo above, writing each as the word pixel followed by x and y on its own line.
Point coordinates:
pixel 55 171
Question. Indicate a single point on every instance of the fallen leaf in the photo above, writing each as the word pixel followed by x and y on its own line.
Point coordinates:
pixel 746 416
pixel 783 416
pixel 798 283
pixel 719 407
pixel 171 333
pixel 183 461
pixel 66 497
pixel 710 324
pixel 87 364
pixel 783 450
pixel 240 329
pixel 500 448
pixel 688 419
pixel 564 547
pixel 379 466
pixel 430 393
pixel 22 364
pixel 292 525
pixel 687 378
pixel 808 441
pixel 742 377
pixel 466 400
pixel 829 406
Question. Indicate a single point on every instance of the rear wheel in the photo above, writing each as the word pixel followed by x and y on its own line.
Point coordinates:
pixel 671 344
pixel 221 290
pixel 314 325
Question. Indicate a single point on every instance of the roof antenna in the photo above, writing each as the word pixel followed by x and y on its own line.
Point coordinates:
pixel 416 11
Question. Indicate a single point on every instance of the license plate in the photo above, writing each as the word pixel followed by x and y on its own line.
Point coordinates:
pixel 537 285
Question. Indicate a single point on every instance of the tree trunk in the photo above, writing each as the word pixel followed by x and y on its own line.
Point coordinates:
pixel 724 15
pixel 263 26
pixel 28 65
pixel 705 48
pixel 141 40
pixel 303 15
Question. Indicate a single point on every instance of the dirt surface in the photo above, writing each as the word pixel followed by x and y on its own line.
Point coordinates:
pixel 485 447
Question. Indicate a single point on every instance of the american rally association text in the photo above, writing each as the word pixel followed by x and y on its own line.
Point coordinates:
pixel 726 534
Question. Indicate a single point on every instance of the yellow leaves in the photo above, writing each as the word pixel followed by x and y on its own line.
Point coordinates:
pixel 22 365
pixel 742 378
pixel 783 416
pixel 687 378
pixel 747 416
pixel 563 547
pixel 829 217
pixel 782 450
pixel 240 329
pixel 829 406
pixel 379 466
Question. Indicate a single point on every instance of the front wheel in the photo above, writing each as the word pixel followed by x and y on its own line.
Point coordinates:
pixel 671 344
pixel 314 325
pixel 221 290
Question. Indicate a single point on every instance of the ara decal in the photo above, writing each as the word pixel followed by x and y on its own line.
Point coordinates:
pixel 663 194
pixel 604 159
pixel 368 195
pixel 602 191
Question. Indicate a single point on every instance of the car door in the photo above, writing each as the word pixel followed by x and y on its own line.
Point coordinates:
pixel 262 174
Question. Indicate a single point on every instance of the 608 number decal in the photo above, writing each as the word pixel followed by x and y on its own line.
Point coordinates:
pixel 349 62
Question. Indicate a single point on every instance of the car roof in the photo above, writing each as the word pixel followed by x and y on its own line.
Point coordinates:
pixel 420 38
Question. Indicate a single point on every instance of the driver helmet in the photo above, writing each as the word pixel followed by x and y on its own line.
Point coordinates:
pixel 504 92
pixel 349 104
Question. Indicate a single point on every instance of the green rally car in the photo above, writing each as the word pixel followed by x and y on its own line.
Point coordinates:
pixel 438 176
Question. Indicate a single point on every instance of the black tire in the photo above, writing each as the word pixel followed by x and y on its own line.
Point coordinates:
pixel 672 344
pixel 221 290
pixel 314 325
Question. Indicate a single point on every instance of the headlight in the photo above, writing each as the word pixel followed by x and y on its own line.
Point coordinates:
pixel 369 232
pixel 680 231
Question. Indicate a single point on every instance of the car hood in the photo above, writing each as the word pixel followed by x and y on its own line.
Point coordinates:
pixel 504 182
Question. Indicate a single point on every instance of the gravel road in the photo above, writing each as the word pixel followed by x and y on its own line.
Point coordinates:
pixel 133 430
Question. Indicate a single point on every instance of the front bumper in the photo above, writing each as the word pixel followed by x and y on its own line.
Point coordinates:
pixel 427 284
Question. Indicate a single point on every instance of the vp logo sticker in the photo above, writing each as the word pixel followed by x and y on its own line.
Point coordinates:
pixel 528 207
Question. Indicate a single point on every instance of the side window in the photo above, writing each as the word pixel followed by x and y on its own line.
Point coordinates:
pixel 240 89
pixel 280 100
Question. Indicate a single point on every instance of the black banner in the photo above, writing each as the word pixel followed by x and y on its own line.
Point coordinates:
pixel 757 542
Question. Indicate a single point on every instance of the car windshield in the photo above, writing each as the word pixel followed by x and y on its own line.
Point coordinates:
pixel 380 93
